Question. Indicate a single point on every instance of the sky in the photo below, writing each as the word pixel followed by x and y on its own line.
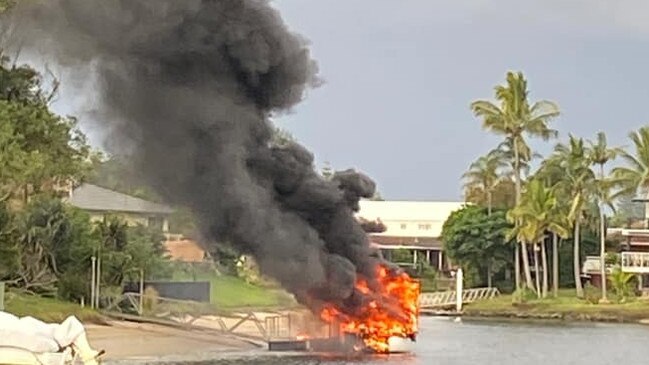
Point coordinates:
pixel 400 75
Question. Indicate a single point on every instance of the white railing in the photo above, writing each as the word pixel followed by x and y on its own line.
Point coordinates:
pixel 635 262
pixel 448 298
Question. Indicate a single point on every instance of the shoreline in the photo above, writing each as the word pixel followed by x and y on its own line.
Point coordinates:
pixel 129 342
pixel 540 317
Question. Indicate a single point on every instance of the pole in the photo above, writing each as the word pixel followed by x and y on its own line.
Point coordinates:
pixel 141 291
pixel 93 282
pixel 602 254
pixel 98 282
pixel 459 277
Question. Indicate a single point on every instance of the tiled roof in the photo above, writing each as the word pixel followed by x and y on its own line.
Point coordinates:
pixel 95 198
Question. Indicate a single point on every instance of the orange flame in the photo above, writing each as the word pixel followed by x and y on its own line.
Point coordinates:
pixel 393 310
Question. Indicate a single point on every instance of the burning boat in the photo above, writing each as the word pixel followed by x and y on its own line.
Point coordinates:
pixel 390 310
pixel 388 315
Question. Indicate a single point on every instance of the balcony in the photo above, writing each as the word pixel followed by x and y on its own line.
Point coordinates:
pixel 635 262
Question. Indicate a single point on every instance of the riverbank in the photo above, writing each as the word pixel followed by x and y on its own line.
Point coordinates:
pixel 128 341
pixel 566 307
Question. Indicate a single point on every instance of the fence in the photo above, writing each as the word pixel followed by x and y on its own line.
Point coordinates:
pixel 198 291
pixel 448 298
pixel 257 325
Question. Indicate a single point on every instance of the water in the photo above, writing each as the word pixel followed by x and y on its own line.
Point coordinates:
pixel 445 342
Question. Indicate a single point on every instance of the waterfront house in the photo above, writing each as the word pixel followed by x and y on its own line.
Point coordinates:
pixel 412 226
pixel 101 202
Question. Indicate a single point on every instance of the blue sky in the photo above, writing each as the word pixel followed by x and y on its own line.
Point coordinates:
pixel 400 75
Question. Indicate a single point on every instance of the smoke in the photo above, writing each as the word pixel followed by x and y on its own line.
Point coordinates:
pixel 189 87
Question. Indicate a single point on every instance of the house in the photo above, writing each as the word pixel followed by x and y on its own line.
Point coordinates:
pixel 635 245
pixel 415 226
pixel 101 202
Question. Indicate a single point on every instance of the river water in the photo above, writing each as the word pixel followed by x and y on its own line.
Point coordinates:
pixel 445 342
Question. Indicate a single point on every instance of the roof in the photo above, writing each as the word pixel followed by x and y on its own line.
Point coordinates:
pixel 407 210
pixel 392 242
pixel 96 198
pixel 409 218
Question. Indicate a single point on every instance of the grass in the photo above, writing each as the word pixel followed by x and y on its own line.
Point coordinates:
pixel 47 309
pixel 565 306
pixel 229 292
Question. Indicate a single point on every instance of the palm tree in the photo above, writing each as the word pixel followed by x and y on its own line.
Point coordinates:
pixel 536 215
pixel 600 154
pixel 577 183
pixel 514 118
pixel 484 174
pixel 634 177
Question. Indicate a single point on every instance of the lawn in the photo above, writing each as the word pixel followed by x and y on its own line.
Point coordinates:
pixel 48 310
pixel 229 292
pixel 565 306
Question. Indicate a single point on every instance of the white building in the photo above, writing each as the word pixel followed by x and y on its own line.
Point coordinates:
pixel 412 225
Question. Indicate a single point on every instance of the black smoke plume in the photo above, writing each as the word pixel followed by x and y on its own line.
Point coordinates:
pixel 189 87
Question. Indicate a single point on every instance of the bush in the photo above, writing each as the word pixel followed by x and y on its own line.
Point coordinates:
pixel 428 276
pixel 622 284
pixel 150 300
pixel 522 296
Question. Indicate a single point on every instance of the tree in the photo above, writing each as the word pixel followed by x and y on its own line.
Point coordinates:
pixel 9 250
pixel 535 214
pixel 634 178
pixel 578 184
pixel 515 118
pixel 600 154
pixel 477 240
pixel 484 175
pixel 503 196
pixel 626 210
pixel 41 151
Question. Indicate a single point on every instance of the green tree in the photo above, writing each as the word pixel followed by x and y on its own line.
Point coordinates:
pixel 124 251
pixel 600 154
pixel 476 240
pixel 9 259
pixel 535 214
pixel 634 177
pixel 54 242
pixel 578 184
pixel 503 196
pixel 515 118
pixel 484 175
pixel 44 152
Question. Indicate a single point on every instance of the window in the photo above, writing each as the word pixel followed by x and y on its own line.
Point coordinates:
pixel 403 226
pixel 425 227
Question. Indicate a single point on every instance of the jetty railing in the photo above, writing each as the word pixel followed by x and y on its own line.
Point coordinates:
pixel 258 325
pixel 448 298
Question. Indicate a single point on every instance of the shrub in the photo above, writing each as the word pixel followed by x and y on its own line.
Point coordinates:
pixel 522 296
pixel 622 284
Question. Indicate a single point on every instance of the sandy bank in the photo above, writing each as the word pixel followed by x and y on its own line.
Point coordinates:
pixel 126 341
